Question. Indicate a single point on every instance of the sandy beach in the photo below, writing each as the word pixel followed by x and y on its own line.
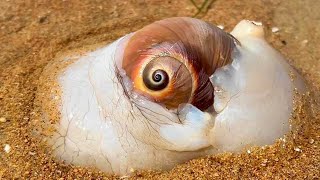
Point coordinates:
pixel 34 32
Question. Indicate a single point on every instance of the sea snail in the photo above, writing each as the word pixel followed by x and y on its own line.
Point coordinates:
pixel 174 90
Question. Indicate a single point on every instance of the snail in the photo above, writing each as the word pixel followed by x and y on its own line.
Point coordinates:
pixel 174 90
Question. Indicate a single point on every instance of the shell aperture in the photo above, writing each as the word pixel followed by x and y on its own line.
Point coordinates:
pixel 174 90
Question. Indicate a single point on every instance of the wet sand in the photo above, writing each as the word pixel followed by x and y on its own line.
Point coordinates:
pixel 33 32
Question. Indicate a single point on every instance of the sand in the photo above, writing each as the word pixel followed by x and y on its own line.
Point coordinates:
pixel 33 32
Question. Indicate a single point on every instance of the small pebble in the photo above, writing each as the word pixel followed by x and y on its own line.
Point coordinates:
pixel 297 149
pixel 248 151
pixel 275 29
pixel 304 43
pixel 42 19
pixel 216 174
pixel 132 170
pixel 3 119
pixel 220 26
pixel 7 148
pixel 311 141
pixel 264 162
pixel 32 153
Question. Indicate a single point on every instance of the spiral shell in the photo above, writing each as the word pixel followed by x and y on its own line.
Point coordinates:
pixel 184 52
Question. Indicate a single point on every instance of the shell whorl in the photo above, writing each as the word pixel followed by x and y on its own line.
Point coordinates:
pixel 187 50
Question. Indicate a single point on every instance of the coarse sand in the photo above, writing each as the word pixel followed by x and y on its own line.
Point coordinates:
pixel 33 32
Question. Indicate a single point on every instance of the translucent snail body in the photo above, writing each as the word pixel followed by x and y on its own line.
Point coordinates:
pixel 175 90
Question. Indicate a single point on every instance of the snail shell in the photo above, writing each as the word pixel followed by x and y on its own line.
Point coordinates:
pixel 184 52
pixel 174 90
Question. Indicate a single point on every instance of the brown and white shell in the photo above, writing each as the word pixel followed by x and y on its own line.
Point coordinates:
pixel 170 61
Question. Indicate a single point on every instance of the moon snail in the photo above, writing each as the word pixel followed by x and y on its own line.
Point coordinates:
pixel 174 90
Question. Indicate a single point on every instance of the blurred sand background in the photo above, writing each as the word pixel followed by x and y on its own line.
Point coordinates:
pixel 32 32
